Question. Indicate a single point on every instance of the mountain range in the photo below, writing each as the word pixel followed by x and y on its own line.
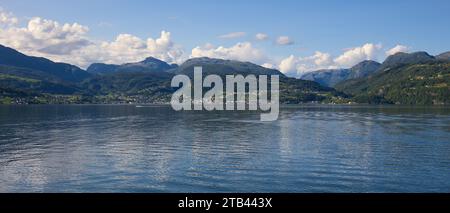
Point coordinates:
pixel 330 77
pixel 27 79
pixel 403 78
pixel 41 66
pixel 150 64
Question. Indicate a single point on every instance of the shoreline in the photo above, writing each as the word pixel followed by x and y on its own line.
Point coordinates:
pixel 314 105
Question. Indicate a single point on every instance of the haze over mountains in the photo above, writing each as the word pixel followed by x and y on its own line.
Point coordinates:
pixel 444 56
pixel 403 78
pixel 331 77
pixel 334 76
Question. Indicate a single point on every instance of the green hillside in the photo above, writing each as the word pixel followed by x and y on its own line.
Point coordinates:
pixel 26 79
pixel 416 84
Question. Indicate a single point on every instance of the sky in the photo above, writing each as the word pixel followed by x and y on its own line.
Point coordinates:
pixel 293 36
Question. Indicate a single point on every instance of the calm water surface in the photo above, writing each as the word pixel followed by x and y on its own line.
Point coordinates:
pixel 154 149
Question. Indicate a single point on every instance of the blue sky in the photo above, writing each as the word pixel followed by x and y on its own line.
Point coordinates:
pixel 331 27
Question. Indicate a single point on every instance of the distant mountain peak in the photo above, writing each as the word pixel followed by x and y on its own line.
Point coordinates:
pixel 417 54
pixel 150 64
pixel 101 68
pixel 402 58
pixel 206 60
pixel 366 62
pixel 223 67
pixel 444 56
pixel 62 71
pixel 331 77
pixel 364 68
pixel 152 59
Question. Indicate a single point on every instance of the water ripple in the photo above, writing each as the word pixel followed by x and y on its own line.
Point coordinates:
pixel 153 149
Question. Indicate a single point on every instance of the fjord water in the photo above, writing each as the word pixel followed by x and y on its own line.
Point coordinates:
pixel 124 148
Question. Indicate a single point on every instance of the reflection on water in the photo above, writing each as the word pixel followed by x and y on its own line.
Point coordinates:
pixel 153 149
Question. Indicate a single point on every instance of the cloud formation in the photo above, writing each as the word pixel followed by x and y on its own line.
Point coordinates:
pixel 233 35
pixel 128 48
pixel 357 54
pixel 70 43
pixel 284 40
pixel 269 66
pixel 243 51
pixel 297 66
pixel 397 49
pixel 7 19
pixel 44 37
pixel 261 36
pixel 288 64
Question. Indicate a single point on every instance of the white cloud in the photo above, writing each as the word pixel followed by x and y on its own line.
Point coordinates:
pixel 296 66
pixel 48 29
pixel 268 65
pixel 397 49
pixel 288 64
pixel 284 40
pixel 261 36
pixel 7 19
pixel 42 36
pixel 321 59
pixel 164 48
pixel 233 35
pixel 355 55
pixel 69 43
pixel 105 24
pixel 128 48
pixel 243 51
